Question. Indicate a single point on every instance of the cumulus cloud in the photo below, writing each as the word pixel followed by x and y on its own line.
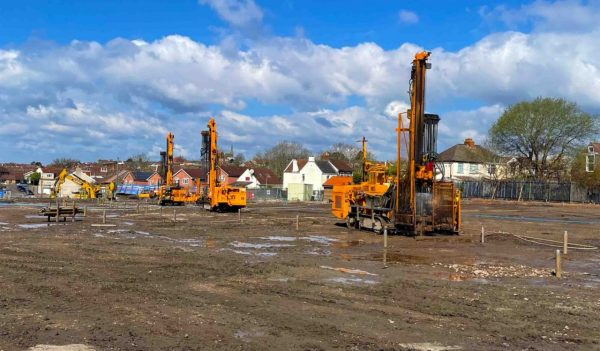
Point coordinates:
pixel 408 17
pixel 119 98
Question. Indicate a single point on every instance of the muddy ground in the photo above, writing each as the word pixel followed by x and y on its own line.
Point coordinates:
pixel 207 281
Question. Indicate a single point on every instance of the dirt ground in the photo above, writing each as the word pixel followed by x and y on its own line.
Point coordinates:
pixel 206 281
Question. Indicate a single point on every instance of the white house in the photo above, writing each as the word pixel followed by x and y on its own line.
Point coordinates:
pixel 259 177
pixel 313 173
pixel 470 161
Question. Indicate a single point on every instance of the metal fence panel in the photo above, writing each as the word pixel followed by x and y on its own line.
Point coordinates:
pixel 527 191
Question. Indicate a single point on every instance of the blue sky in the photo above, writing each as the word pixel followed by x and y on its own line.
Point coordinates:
pixel 107 79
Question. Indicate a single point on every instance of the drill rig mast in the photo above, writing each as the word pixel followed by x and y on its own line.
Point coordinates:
pixel 416 202
pixel 171 193
pixel 216 196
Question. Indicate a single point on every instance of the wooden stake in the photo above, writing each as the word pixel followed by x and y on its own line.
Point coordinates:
pixel 85 211
pixel 565 242
pixel 482 235
pixel 558 265
pixel 297 222
pixel 175 215
pixel 240 214
pixel 161 210
pixel 104 216
pixel 385 234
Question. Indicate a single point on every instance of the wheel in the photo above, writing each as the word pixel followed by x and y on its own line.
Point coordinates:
pixel 350 222
pixel 378 226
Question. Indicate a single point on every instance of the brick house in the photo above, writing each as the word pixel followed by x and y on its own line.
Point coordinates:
pixel 229 174
pixel 187 176
pixel 142 178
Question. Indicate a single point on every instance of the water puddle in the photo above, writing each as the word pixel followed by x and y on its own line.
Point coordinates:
pixel 242 245
pixel 320 239
pixel 249 253
pixel 318 252
pixel 35 225
pixel 3 223
pixel 352 281
pixel 278 238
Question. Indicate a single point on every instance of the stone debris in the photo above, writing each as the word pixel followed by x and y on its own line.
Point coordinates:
pixel 495 271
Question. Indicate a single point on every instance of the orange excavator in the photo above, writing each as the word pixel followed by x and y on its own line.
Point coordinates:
pixel 415 202
pixel 217 196
pixel 171 193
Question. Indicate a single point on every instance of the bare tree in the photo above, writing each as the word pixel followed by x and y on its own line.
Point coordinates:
pixel 278 157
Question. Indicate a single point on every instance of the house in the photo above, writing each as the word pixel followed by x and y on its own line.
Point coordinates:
pixel 334 181
pixel 313 173
pixel 47 179
pixel 591 158
pixel 470 161
pixel 187 176
pixel 342 167
pixel 142 178
pixel 229 174
pixel 259 177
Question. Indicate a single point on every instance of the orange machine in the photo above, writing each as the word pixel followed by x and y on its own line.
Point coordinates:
pixel 416 202
pixel 374 183
pixel 216 196
pixel 171 193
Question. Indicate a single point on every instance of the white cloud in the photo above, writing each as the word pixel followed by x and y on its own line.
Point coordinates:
pixel 408 17
pixel 238 13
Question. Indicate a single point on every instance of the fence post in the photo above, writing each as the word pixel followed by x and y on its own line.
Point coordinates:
pixel 297 222
pixel 482 235
pixel 385 236
pixel 104 216
pixel 565 242
pixel 558 270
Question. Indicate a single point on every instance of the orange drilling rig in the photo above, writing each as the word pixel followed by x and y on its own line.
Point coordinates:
pixel 171 193
pixel 217 196
pixel 416 202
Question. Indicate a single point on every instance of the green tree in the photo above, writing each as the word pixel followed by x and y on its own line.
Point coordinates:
pixel 34 178
pixel 544 132
pixel 139 162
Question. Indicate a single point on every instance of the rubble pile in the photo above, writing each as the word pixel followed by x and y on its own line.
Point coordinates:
pixel 495 271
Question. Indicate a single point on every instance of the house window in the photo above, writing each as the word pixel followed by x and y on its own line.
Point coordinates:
pixel 303 178
pixel 186 180
pixel 103 169
pixel 460 168
pixel 247 178
pixel 473 168
pixel 590 160
pixel 590 149
pixel 491 169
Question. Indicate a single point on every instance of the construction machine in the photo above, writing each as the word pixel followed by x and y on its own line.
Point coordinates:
pixel 217 196
pixel 416 202
pixel 374 182
pixel 171 193
pixel 87 189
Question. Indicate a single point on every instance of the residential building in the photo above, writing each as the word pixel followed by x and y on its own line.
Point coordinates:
pixel 259 177
pixel 187 176
pixel 47 179
pixel 470 161
pixel 591 158
pixel 312 172
pixel 142 178
pixel 229 174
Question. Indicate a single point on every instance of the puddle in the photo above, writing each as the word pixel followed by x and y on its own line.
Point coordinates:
pixel 348 270
pixel 71 347
pixel 34 216
pixel 278 238
pixel 352 281
pixel 3 223
pixel 189 242
pixel 127 223
pixel 242 245
pixel 35 225
pixel 98 235
pixel 429 346
pixel 318 252
pixel 249 253
pixel 247 336
pixel 320 239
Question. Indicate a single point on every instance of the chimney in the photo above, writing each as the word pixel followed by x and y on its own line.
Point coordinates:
pixel 469 142
pixel 295 165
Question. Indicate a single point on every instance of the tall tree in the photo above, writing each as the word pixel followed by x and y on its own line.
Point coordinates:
pixel 139 162
pixel 544 132
pixel 278 157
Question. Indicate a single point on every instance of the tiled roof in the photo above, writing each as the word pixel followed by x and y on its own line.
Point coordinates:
pixel 301 163
pixel 141 176
pixel 266 176
pixel 467 153
pixel 596 147
pixel 342 166
pixel 194 172
pixel 233 170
